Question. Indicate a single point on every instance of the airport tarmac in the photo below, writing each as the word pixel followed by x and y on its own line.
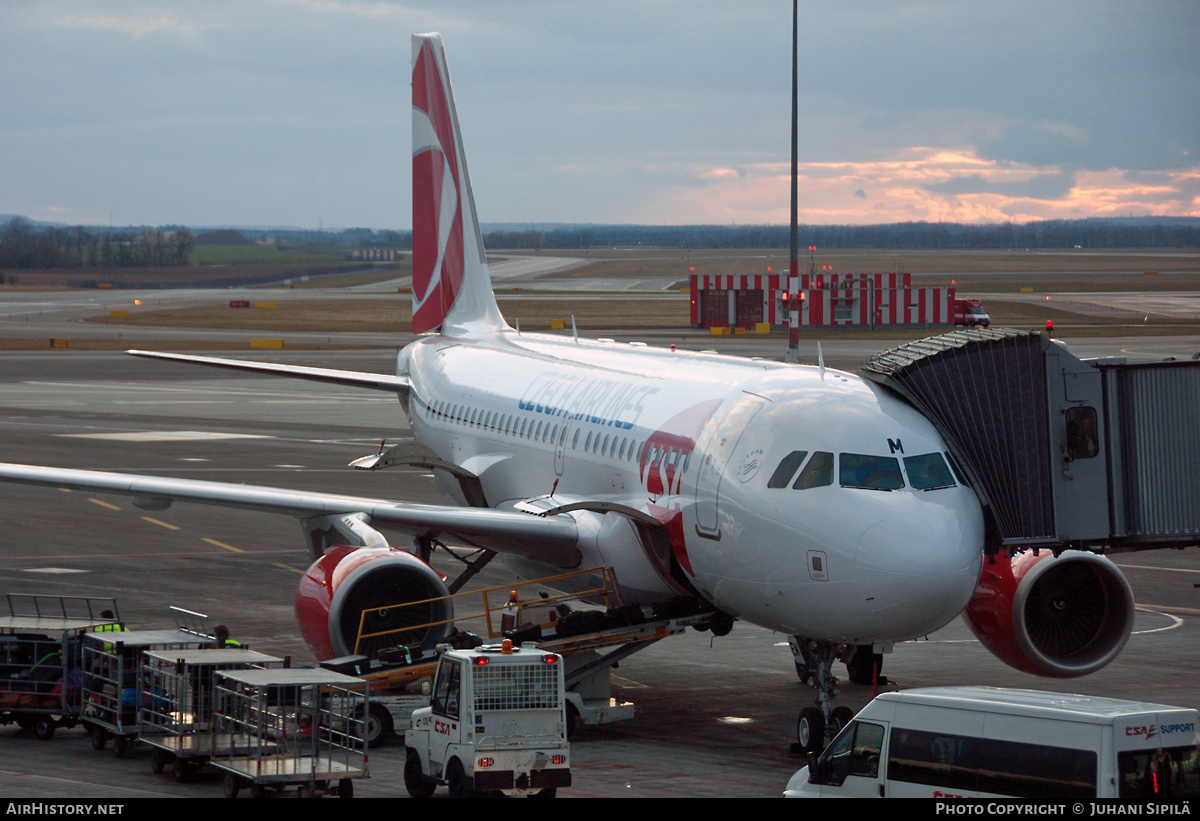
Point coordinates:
pixel 716 714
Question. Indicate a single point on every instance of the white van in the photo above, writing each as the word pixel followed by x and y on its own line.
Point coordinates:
pixel 968 742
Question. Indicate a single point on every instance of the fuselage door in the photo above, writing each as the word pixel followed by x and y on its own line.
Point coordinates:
pixel 713 452
pixel 560 446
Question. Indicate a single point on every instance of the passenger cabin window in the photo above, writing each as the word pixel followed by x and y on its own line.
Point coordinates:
pixel 928 471
pixel 870 472
pixel 989 765
pixel 1169 774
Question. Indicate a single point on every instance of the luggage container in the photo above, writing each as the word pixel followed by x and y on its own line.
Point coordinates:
pixel 112 687
pixel 299 727
pixel 41 640
pixel 175 716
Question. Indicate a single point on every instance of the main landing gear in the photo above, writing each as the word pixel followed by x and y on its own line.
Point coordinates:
pixel 814 665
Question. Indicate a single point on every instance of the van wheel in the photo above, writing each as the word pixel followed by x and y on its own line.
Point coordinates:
pixel 232 785
pixel 810 730
pixel 415 782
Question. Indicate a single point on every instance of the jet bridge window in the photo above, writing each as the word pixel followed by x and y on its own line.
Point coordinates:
pixel 928 471
pixel 1083 439
pixel 870 472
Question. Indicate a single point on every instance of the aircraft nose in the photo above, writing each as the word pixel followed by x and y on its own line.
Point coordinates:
pixel 923 564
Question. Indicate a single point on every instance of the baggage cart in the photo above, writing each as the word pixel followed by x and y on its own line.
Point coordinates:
pixel 175 717
pixel 40 657
pixel 112 686
pixel 299 727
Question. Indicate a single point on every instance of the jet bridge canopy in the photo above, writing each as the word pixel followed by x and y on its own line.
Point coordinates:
pixel 1062 452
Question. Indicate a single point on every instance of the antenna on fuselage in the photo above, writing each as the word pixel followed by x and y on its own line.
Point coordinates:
pixel 518 327
pixel 574 330
pixel 820 359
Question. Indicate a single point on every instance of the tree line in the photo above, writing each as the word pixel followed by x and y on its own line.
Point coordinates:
pixel 1092 233
pixel 24 246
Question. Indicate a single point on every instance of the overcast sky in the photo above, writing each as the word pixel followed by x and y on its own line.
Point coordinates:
pixel 296 112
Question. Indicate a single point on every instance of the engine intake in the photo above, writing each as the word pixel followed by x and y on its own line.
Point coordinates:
pixel 1060 617
pixel 346 581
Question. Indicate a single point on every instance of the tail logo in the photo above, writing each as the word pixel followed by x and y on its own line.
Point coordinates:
pixel 437 199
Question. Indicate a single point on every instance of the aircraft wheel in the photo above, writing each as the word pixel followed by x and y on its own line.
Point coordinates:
pixel 721 623
pixel 839 718
pixel 810 730
pixel 863 664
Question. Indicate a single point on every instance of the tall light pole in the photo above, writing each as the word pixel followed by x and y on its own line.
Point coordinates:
pixel 793 283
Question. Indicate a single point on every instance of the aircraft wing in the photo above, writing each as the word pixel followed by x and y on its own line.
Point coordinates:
pixel 549 539
pixel 358 379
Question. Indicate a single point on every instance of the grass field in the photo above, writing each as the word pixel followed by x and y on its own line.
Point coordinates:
pixel 260 254
pixel 975 273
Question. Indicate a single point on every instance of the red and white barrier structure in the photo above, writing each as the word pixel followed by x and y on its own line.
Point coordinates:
pixel 827 300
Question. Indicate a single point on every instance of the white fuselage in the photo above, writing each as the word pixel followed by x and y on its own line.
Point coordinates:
pixel 710 446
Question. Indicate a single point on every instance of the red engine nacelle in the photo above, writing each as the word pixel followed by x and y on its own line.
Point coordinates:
pixel 340 585
pixel 1062 616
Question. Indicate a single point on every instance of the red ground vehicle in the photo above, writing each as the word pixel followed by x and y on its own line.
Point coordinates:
pixel 970 312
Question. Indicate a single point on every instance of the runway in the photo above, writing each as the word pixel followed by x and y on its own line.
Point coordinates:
pixel 716 715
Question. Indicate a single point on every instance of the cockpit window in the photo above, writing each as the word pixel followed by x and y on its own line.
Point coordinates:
pixel 787 469
pixel 954 466
pixel 871 472
pixel 817 473
pixel 928 471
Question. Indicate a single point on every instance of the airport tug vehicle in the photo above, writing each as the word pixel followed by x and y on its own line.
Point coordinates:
pixel 496 723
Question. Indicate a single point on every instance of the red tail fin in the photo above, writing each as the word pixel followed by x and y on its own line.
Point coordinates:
pixel 451 287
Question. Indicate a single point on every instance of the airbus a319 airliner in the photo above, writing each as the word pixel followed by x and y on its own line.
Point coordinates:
pixel 799 498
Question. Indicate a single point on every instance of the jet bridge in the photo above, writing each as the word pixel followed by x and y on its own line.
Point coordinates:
pixel 1063 453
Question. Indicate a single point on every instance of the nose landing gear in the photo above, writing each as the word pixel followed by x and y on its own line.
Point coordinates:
pixel 814 664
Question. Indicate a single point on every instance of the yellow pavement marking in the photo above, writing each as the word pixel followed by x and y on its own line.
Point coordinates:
pixel 223 546
pixel 160 524
pixel 288 567
pixel 103 504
